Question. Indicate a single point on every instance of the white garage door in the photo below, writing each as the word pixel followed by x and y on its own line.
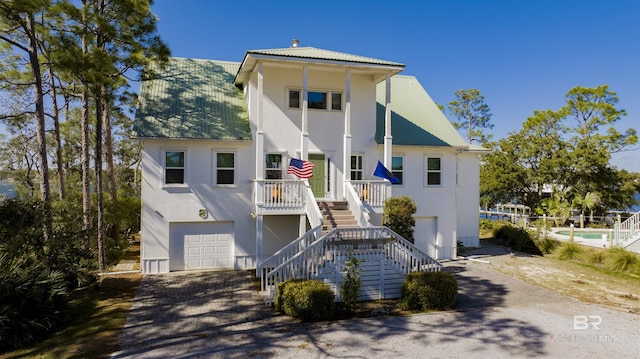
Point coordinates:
pixel 201 245
pixel 426 235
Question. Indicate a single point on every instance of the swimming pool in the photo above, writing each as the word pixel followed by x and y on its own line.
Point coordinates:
pixel 586 235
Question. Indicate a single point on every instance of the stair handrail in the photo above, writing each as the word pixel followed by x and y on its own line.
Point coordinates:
pixel 402 254
pixel 288 251
pixel 627 229
pixel 359 212
pixel 314 215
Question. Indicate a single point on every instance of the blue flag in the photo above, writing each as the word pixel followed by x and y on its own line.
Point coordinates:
pixel 382 171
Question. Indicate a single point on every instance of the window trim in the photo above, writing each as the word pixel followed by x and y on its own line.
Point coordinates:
pixel 185 178
pixel 215 167
pixel 427 157
pixel 401 178
pixel 329 105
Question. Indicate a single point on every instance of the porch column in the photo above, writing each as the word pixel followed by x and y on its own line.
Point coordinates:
pixel 260 127
pixel 304 135
pixel 259 229
pixel 303 225
pixel 346 150
pixel 388 139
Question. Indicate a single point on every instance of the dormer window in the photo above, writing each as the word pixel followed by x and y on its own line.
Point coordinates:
pixel 318 100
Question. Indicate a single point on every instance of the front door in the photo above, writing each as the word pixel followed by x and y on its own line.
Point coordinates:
pixel 317 182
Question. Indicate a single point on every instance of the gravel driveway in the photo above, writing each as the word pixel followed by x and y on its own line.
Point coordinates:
pixel 218 314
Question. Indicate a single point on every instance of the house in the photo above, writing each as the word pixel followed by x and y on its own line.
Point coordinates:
pixel 218 138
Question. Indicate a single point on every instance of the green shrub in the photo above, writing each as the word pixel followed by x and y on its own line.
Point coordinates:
pixel 516 238
pixel 350 286
pixel 428 290
pixel 280 289
pixel 32 300
pixel 309 300
pixel 546 244
pixel 398 215
pixel 569 250
pixel 621 260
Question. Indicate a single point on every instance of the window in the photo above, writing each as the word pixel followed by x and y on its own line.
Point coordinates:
pixel 225 168
pixel 336 101
pixel 273 168
pixel 174 167
pixel 434 171
pixel 356 167
pixel 294 98
pixel 397 168
pixel 319 100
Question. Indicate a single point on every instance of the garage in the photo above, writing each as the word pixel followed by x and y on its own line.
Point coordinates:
pixel 196 246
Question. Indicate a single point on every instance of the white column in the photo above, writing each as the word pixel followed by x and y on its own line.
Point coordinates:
pixel 259 230
pixel 304 135
pixel 388 139
pixel 346 150
pixel 303 225
pixel 260 125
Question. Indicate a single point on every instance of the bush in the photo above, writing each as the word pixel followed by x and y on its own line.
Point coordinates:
pixel 398 215
pixel 33 300
pixel 546 244
pixel 309 300
pixel 621 260
pixel 280 289
pixel 569 250
pixel 516 238
pixel 428 290
pixel 350 286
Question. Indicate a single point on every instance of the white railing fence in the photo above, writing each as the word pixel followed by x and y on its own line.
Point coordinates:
pixel 356 207
pixel 288 251
pixel 278 193
pixel 364 242
pixel 374 193
pixel 627 230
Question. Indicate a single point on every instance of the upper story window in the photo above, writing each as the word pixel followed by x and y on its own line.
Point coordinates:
pixel 397 168
pixel 273 168
pixel 225 168
pixel 319 100
pixel 356 167
pixel 174 167
pixel 434 171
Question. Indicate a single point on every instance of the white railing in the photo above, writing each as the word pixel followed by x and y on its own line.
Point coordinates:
pixel 289 251
pixel 314 215
pixel 365 242
pixel 278 194
pixel 374 193
pixel 356 207
pixel 626 230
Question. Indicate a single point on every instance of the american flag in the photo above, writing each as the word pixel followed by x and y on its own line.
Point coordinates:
pixel 300 168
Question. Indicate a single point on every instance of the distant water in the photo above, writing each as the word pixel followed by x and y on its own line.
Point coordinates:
pixel 7 190
pixel 636 208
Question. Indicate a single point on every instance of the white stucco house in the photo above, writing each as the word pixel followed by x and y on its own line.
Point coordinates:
pixel 218 137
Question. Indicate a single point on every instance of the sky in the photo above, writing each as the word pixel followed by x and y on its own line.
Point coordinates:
pixel 523 55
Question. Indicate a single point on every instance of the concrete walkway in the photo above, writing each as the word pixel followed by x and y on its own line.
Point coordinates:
pixel 219 314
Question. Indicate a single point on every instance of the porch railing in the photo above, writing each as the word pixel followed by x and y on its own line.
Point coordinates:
pixel 369 241
pixel 360 213
pixel 627 230
pixel 374 193
pixel 278 194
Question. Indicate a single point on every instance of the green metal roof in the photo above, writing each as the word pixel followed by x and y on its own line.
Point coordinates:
pixel 320 54
pixel 192 99
pixel 415 119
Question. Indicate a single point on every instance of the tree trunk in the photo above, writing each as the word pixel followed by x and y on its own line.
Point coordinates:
pixel 30 30
pixel 56 125
pixel 108 151
pixel 99 191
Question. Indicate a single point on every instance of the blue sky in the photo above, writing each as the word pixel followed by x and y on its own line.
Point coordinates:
pixel 523 55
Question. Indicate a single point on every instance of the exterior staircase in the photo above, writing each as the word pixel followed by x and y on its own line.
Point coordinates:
pixel 627 233
pixel 336 215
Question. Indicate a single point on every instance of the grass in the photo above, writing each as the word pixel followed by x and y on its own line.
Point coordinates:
pixel 98 316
